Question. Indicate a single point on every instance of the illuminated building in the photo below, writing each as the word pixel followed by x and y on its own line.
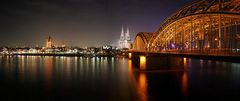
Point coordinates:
pixel 63 45
pixel 49 43
pixel 125 41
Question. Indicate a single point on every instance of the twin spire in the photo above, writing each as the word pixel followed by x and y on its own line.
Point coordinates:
pixel 125 40
pixel 127 34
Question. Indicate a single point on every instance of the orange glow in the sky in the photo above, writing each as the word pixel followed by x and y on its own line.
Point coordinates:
pixel 143 62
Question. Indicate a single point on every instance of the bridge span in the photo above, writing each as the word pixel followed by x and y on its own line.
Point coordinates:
pixel 208 27
pixel 204 29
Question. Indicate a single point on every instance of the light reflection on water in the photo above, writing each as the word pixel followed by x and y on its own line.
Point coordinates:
pixel 143 87
pixel 185 78
pixel 185 84
pixel 115 78
pixel 140 83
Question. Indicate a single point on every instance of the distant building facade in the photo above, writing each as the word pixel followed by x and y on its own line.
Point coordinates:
pixel 63 45
pixel 125 40
pixel 49 43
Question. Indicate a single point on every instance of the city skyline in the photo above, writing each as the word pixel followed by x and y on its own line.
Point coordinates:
pixel 79 23
pixel 120 50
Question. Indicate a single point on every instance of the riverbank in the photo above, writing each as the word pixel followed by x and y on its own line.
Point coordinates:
pixel 69 55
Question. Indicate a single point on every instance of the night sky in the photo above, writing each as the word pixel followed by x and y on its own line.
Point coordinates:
pixel 79 22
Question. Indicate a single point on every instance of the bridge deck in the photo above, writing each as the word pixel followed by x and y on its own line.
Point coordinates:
pixel 207 56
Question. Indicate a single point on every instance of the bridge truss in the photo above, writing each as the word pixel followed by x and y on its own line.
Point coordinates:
pixel 205 26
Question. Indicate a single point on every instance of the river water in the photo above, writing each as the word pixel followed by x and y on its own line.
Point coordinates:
pixel 114 79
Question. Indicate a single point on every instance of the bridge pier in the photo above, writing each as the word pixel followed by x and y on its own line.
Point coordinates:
pixel 151 61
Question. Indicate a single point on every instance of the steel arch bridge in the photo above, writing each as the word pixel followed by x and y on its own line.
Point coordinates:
pixel 205 26
pixel 141 40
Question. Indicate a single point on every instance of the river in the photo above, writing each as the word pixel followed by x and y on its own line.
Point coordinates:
pixel 114 79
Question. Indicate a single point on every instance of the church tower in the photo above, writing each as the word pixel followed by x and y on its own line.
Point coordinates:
pixel 121 41
pixel 125 40
pixel 122 35
pixel 49 43
pixel 127 35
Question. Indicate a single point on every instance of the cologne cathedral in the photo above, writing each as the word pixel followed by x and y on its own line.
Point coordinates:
pixel 125 40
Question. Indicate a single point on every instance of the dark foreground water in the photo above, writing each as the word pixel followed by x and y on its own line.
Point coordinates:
pixel 114 79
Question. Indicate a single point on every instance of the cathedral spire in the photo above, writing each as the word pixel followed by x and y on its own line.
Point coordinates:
pixel 49 38
pixel 122 33
pixel 125 40
pixel 127 36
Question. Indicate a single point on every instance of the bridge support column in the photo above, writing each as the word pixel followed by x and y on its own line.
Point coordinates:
pixel 156 61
